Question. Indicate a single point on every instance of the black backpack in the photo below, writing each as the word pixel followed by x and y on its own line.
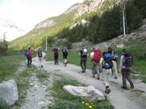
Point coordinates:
pixel 84 52
pixel 128 60
pixel 55 52
pixel 64 50
pixel 107 64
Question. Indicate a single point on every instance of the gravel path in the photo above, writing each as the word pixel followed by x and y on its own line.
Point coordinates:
pixel 121 99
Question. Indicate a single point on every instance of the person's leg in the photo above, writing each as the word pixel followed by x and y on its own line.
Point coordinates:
pixel 57 62
pixel 65 61
pixel 106 74
pixel 84 62
pixel 115 69
pixel 93 69
pixel 54 59
pixel 97 70
pixel 128 71
pixel 81 64
pixel 27 61
pixel 124 79
pixel 41 61
pixel 30 61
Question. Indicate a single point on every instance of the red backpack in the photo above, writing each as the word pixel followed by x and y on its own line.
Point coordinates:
pixel 97 56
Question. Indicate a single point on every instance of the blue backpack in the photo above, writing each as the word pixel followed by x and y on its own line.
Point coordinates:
pixel 107 64
pixel 26 52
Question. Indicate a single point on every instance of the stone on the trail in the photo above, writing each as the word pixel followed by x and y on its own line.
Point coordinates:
pixel 89 93
pixel 9 92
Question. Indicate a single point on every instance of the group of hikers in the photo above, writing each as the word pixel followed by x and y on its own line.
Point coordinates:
pixel 105 63
pixel 55 51
pixel 102 63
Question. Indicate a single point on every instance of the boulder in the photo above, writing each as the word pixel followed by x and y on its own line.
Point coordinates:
pixel 89 93
pixel 9 92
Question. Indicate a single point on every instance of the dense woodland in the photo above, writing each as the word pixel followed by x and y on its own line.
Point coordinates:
pixel 102 27
pixel 109 24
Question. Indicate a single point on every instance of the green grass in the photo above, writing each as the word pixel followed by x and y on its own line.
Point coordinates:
pixel 65 100
pixel 4 105
pixel 9 65
pixel 41 75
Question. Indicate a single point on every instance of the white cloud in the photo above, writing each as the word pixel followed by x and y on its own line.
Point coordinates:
pixel 27 13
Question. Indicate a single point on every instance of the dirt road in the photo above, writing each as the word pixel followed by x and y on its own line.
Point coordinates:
pixel 120 99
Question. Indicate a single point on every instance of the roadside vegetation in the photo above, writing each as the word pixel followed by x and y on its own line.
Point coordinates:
pixel 11 61
pixel 63 100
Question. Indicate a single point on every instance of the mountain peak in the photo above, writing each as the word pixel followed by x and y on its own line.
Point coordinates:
pixel 9 30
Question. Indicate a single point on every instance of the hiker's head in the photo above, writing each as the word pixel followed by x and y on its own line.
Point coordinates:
pixel 110 49
pixel 124 51
pixel 29 48
pixel 93 49
pixel 40 49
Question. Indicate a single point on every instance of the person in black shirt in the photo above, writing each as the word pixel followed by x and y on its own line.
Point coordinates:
pixel 83 59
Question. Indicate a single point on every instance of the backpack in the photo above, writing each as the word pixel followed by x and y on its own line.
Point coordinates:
pixel 26 52
pixel 97 56
pixel 64 50
pixel 115 55
pixel 107 64
pixel 55 51
pixel 84 52
pixel 128 60
pixel 40 54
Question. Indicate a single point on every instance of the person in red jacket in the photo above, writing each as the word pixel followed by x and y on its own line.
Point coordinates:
pixel 29 57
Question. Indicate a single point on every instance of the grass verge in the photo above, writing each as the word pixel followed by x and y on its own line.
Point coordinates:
pixel 63 100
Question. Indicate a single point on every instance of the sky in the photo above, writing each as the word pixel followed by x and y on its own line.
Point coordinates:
pixel 27 13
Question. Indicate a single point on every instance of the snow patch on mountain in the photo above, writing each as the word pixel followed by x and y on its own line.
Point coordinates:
pixel 9 30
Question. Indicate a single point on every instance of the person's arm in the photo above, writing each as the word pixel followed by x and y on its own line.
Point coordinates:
pixel 100 64
pixel 79 53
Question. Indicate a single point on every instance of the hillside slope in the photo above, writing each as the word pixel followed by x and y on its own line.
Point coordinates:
pixel 52 27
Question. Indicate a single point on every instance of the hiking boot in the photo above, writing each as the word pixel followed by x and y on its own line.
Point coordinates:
pixel 132 85
pixel 124 88
pixel 65 64
pixel 98 78
pixel 108 90
pixel 41 66
pixel 82 71
pixel 115 77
